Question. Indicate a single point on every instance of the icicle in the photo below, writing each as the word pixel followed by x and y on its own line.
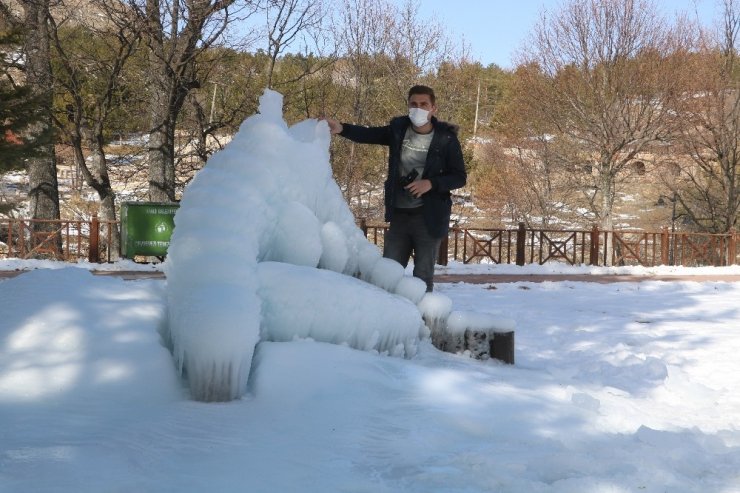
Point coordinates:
pixel 435 308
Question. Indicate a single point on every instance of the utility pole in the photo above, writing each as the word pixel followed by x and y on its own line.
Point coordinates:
pixel 213 103
pixel 477 104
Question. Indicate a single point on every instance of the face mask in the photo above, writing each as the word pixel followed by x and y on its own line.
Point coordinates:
pixel 419 117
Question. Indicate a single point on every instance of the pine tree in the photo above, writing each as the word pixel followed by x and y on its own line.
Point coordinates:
pixel 18 107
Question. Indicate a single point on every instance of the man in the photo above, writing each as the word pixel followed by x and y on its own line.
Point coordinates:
pixel 425 163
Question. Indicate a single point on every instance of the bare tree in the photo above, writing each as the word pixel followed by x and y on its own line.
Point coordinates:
pixel 524 179
pixel 383 50
pixel 363 31
pixel 91 55
pixel 232 79
pixel 232 83
pixel 602 75
pixel 417 47
pixel 176 33
pixel 42 170
pixel 287 21
pixel 457 84
pixel 709 187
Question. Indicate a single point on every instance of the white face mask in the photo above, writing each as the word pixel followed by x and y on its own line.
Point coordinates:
pixel 419 117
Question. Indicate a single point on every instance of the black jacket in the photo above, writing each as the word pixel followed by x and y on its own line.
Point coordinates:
pixel 445 167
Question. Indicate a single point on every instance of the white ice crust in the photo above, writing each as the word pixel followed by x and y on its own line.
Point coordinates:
pixel 265 247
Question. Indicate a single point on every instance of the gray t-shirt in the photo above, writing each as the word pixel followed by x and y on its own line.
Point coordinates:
pixel 414 151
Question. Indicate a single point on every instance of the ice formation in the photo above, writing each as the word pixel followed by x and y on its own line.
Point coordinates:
pixel 266 248
pixel 459 321
pixel 435 308
pixel 341 309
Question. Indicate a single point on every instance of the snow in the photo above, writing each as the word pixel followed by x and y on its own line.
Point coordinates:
pixel 61 355
pixel 459 320
pixel 123 265
pixel 301 302
pixel 411 288
pixel 587 270
pixel 386 274
pixel 622 387
pixel 435 308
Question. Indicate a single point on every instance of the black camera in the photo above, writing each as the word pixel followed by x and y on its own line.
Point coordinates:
pixel 406 180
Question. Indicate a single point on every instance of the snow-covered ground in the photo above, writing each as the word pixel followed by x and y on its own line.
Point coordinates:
pixel 624 387
pixel 453 268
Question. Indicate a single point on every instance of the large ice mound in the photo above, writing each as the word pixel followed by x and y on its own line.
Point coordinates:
pixel 266 248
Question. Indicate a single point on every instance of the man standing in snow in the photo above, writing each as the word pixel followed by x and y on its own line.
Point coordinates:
pixel 425 163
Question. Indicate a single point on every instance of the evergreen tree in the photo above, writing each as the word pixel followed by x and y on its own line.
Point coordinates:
pixel 18 107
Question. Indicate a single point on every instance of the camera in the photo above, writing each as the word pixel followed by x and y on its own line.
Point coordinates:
pixel 406 180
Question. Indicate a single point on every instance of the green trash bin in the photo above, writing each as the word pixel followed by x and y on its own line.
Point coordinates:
pixel 146 228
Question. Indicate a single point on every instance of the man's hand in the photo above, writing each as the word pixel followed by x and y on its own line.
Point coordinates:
pixel 334 126
pixel 419 187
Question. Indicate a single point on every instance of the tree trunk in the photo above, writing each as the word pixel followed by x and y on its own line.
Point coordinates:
pixel 107 211
pixel 162 116
pixel 95 174
pixel 161 157
pixel 606 179
pixel 42 170
pixel 172 75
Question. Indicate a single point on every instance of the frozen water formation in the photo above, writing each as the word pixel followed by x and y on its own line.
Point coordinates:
pixel 266 248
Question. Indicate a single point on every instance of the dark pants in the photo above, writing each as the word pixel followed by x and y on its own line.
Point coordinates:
pixel 408 233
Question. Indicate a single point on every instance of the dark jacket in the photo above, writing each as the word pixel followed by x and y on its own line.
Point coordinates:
pixel 445 167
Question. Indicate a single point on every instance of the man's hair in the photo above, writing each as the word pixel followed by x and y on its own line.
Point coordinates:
pixel 423 90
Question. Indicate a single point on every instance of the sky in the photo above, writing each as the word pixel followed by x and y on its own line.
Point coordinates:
pixel 495 29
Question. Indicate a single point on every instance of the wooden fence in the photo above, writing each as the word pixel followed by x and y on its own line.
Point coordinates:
pixel 72 240
pixel 575 247
pixel 68 240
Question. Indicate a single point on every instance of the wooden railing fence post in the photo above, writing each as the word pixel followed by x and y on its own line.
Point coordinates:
pixel 10 241
pixel 593 252
pixel 22 238
pixel 443 250
pixel 456 231
pixel 664 246
pixel 94 254
pixel 732 254
pixel 521 238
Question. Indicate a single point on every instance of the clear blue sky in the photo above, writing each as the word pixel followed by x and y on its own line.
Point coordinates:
pixel 495 29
